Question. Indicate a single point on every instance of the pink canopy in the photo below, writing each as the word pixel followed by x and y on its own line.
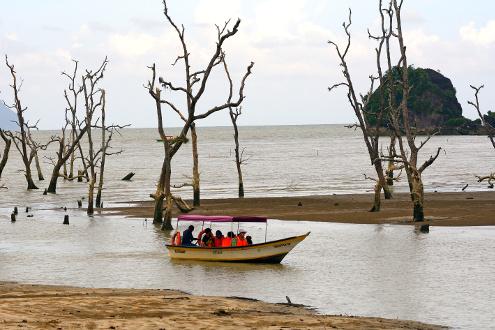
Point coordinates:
pixel 219 218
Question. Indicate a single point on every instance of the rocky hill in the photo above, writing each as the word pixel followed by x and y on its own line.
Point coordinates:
pixel 432 103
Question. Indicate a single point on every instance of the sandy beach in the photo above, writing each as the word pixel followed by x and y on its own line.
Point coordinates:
pixel 57 307
pixel 441 209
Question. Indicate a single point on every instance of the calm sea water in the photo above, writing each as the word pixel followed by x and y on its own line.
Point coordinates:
pixel 281 160
pixel 443 277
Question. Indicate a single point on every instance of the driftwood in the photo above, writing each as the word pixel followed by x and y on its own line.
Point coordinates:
pixel 128 177
pixel 181 204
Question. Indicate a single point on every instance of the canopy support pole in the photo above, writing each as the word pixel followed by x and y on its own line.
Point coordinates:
pixel 177 224
pixel 266 230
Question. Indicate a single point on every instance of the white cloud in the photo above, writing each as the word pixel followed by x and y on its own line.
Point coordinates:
pixel 484 36
pixel 132 44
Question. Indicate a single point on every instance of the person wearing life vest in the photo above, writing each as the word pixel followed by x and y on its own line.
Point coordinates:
pixel 207 239
pixel 217 240
pixel 176 240
pixel 227 241
pixel 187 236
pixel 241 238
pixel 249 240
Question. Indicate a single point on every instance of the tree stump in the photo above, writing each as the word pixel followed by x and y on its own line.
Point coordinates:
pixel 79 203
pixel 66 219
pixel 15 210
pixel 12 217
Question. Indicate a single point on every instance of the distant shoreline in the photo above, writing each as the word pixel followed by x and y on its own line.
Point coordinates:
pixel 44 306
pixel 441 209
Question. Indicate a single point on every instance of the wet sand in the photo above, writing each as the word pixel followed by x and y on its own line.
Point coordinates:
pixel 57 307
pixel 441 209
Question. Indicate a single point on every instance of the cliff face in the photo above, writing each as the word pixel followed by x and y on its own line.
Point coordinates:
pixel 432 100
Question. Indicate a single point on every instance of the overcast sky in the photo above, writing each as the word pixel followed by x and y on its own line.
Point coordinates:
pixel 286 39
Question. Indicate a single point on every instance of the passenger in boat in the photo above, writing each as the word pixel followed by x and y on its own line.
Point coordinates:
pixel 241 239
pixel 218 239
pixel 208 239
pixel 233 238
pixel 249 240
pixel 188 237
pixel 227 241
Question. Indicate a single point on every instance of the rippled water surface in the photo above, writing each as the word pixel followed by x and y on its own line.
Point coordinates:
pixel 444 277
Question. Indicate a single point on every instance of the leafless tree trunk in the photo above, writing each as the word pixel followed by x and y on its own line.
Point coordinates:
pixel 6 149
pixel 408 157
pixel 66 151
pixel 192 95
pixel 234 115
pixel 391 164
pixel 21 139
pixel 195 178
pixel 370 133
pixel 94 99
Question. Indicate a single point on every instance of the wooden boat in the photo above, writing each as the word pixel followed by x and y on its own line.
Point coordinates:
pixel 268 252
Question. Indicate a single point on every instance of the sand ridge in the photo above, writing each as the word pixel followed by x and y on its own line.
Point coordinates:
pixel 441 209
pixel 57 307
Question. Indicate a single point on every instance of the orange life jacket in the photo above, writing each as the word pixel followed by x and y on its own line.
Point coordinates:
pixel 176 239
pixel 241 241
pixel 217 242
pixel 200 236
pixel 226 241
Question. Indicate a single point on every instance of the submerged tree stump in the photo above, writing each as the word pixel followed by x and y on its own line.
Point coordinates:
pixel 15 210
pixel 66 219
pixel 128 177
pixel 12 217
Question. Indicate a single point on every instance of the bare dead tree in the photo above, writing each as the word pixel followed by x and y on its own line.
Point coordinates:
pixel 107 133
pixel 400 122
pixel 371 133
pixel 490 130
pixel 21 138
pixel 234 115
pixel 35 147
pixel 192 95
pixel 78 129
pixel 6 149
pixel 94 101
pixel 71 95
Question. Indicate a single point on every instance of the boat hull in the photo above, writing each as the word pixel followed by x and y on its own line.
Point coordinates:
pixel 268 253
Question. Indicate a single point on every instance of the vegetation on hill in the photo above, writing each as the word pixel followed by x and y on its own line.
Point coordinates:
pixel 432 102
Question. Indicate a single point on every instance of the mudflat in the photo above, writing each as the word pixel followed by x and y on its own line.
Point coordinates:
pixel 441 209
pixel 58 307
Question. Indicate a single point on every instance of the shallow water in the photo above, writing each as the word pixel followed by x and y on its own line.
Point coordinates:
pixel 444 277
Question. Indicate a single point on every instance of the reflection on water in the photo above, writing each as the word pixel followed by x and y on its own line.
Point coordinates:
pixel 443 277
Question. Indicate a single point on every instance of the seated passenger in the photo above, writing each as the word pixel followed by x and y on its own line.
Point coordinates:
pixel 249 240
pixel 227 241
pixel 187 236
pixel 217 240
pixel 207 239
pixel 233 238
pixel 241 239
